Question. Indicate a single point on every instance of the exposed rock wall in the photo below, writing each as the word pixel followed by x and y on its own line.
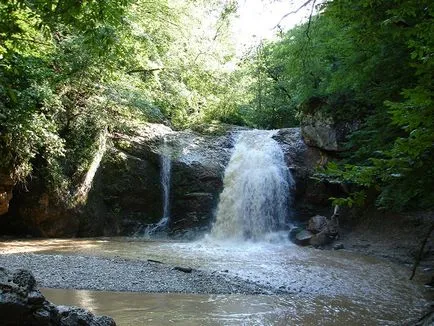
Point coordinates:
pixel 311 196
pixel 126 191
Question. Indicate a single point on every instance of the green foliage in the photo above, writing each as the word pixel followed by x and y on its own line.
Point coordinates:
pixel 71 69
pixel 372 62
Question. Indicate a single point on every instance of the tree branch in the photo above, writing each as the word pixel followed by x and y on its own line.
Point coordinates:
pixel 145 70
pixel 310 20
pixel 294 11
pixel 420 254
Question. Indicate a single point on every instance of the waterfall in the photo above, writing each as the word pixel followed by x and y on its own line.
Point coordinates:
pixel 256 195
pixel 165 169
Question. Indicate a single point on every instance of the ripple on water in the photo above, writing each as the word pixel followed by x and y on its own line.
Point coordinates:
pixel 335 285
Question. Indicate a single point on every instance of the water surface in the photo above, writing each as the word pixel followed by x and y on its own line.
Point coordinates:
pixel 321 287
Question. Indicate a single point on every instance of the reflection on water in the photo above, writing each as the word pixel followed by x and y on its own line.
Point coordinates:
pixel 335 287
pixel 183 309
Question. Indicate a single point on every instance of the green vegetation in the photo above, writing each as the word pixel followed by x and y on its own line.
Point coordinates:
pixel 370 61
pixel 71 69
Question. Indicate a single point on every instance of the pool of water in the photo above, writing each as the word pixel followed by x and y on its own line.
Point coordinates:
pixel 325 287
pixel 185 309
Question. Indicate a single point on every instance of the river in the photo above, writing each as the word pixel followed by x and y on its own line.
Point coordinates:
pixel 321 287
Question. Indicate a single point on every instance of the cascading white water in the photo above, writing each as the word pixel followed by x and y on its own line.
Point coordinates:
pixel 165 170
pixel 256 195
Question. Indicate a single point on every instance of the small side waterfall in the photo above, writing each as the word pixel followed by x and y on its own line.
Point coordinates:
pixel 165 169
pixel 257 183
pixel 165 179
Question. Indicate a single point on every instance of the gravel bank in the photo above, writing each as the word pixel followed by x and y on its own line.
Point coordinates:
pixel 117 274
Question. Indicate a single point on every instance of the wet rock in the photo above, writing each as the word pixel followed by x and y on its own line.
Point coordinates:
pixel 317 224
pixel 321 239
pixel 24 279
pixel 183 269
pixel 128 184
pixel 338 246
pixel 72 316
pixel 22 304
pixel 303 237
pixel 293 232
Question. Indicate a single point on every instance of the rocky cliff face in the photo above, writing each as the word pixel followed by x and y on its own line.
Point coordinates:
pixel 126 191
pixel 311 196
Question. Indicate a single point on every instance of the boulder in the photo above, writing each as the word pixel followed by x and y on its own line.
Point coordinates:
pixel 303 238
pixel 322 131
pixel 338 246
pixel 321 239
pixel 317 224
pixel 21 303
pixel 328 233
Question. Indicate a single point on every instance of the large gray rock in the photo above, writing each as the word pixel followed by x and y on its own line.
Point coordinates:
pixel 328 230
pixel 21 303
pixel 322 131
pixel 317 224
pixel 303 237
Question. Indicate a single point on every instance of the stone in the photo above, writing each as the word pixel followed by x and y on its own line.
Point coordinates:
pixel 21 303
pixel 317 224
pixel 310 196
pixel 322 131
pixel 35 298
pixel 338 246
pixel 24 278
pixel 72 316
pixel 321 239
pixel 303 237
pixel 326 236
pixel 183 269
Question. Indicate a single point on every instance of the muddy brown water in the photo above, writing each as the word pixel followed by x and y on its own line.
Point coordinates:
pixel 326 287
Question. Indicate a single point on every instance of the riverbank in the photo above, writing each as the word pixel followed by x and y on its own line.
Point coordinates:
pixel 118 274
pixel 391 236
